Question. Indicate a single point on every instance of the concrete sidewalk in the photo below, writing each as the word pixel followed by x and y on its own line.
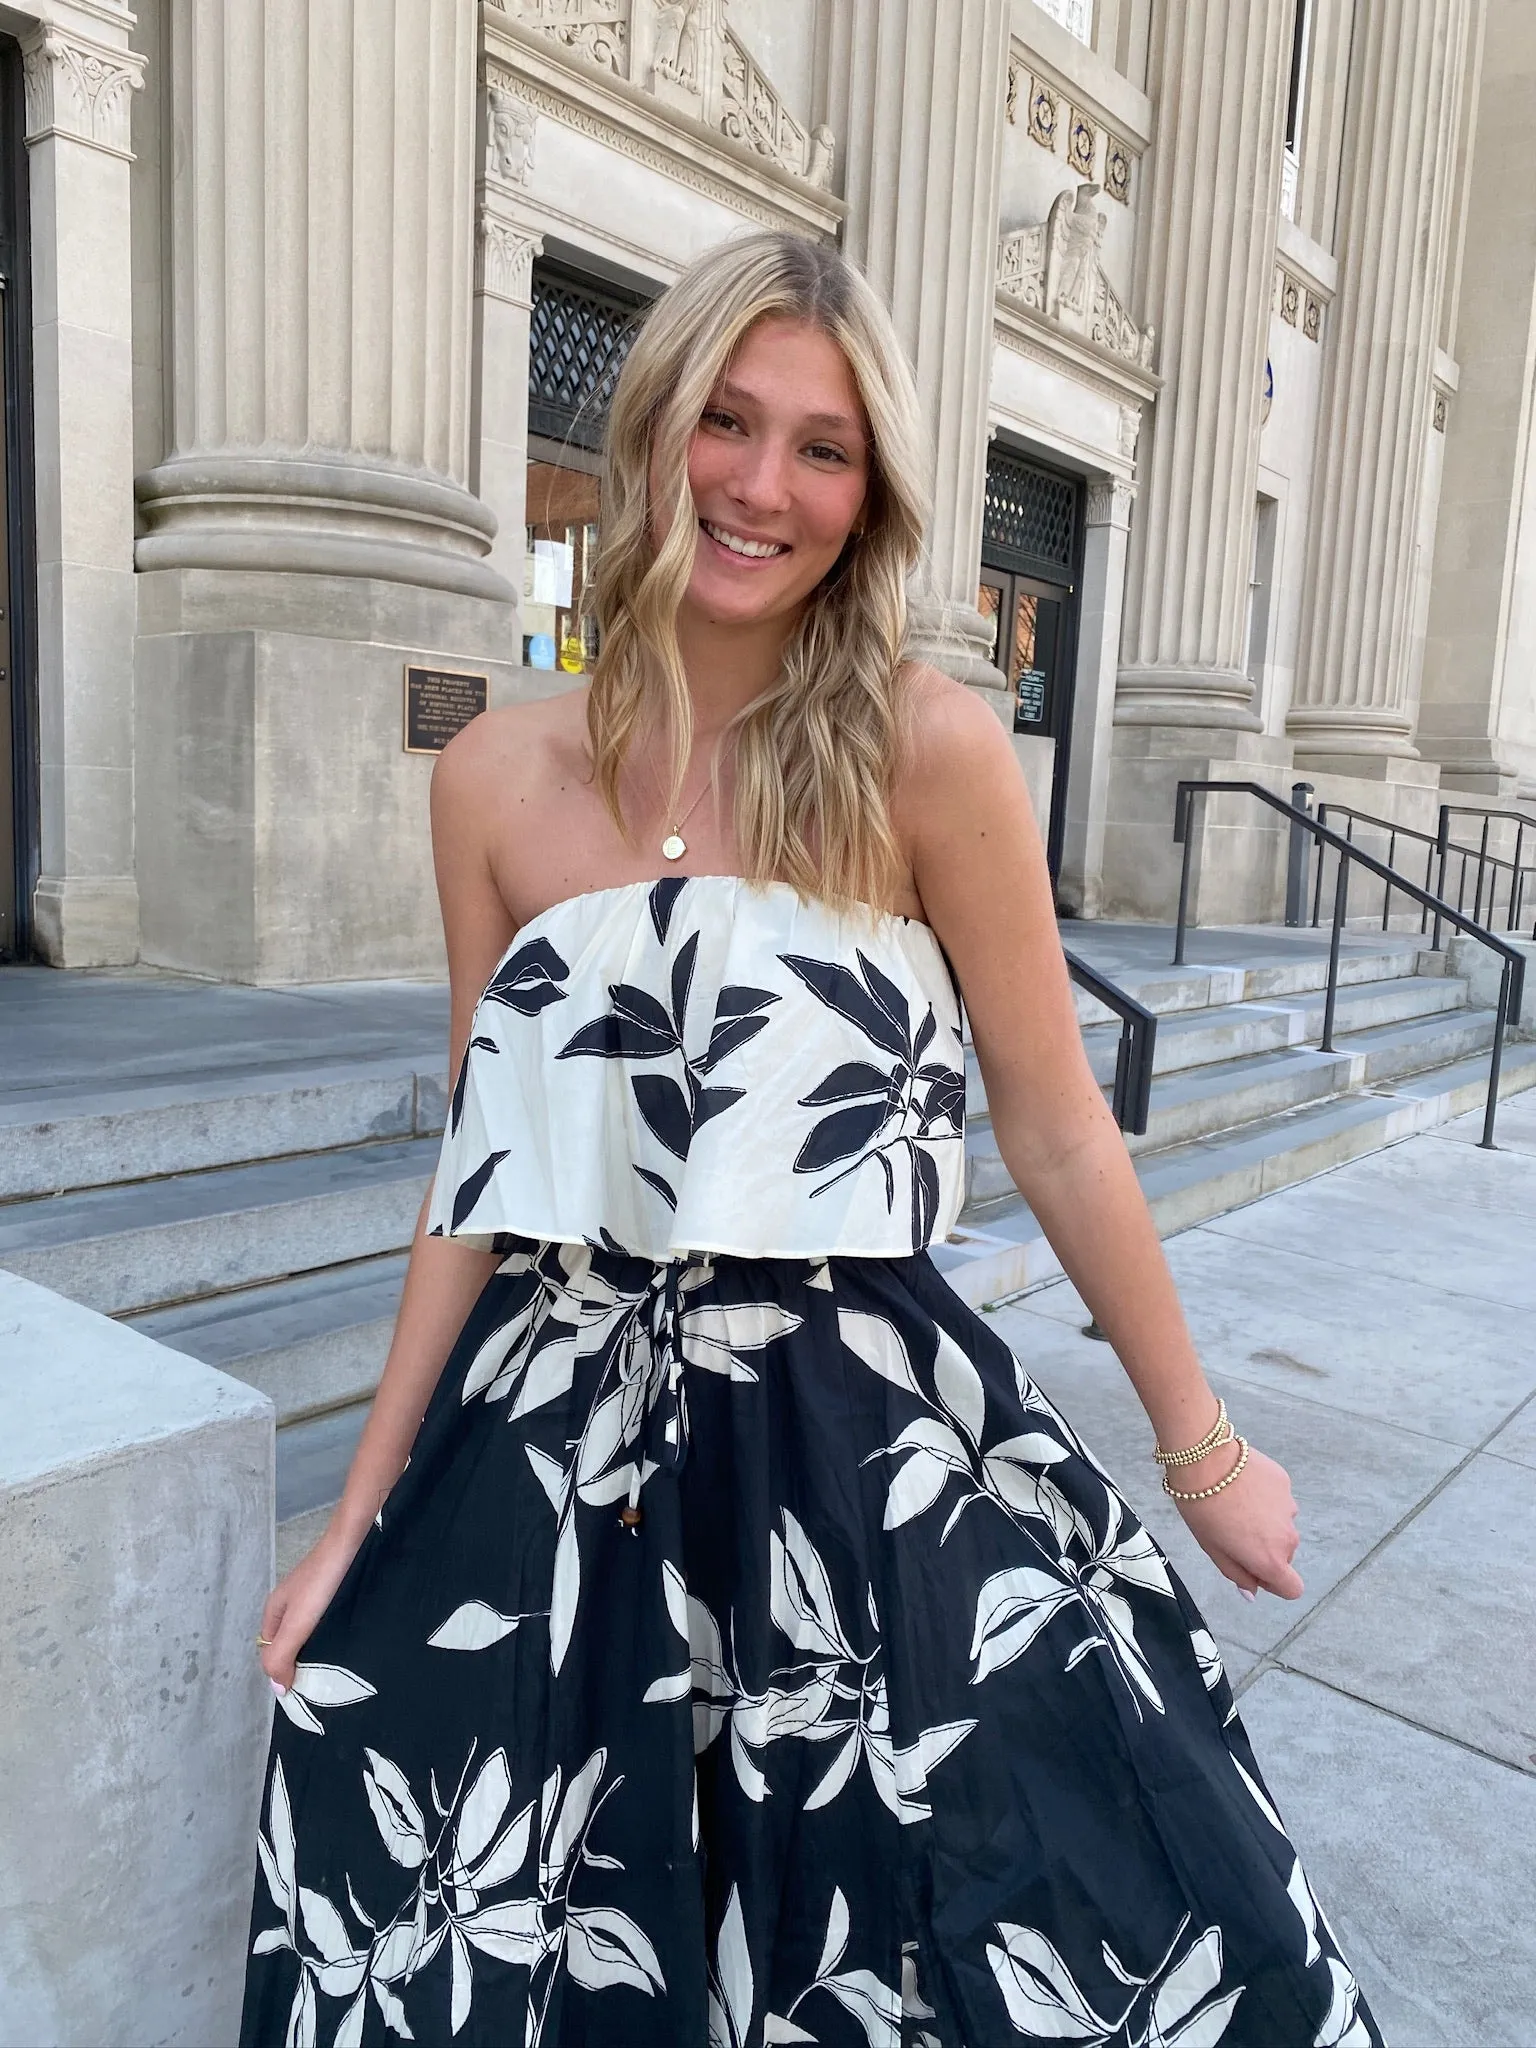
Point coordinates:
pixel 1375 1330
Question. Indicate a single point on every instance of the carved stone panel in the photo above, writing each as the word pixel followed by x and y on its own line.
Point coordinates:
pixel 1117 169
pixel 1042 116
pixel 1053 267
pixel 1082 144
pixel 596 29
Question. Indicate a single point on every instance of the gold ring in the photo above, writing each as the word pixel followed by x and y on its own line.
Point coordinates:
pixel 264 1642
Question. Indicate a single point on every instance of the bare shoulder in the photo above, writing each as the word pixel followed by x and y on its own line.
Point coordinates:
pixel 957 747
pixel 506 747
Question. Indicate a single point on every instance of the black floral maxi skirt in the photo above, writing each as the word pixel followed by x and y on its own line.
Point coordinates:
pixel 882 1722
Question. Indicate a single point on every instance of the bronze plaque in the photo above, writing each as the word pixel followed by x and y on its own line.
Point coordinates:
pixel 438 703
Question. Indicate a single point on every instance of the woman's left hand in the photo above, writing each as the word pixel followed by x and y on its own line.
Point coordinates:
pixel 1248 1530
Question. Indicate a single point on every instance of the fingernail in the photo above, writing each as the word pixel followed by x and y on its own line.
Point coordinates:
pixel 281 1689
pixel 1242 1589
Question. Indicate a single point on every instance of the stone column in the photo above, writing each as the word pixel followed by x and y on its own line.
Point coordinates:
pixel 320 365
pixel 917 88
pixel 1477 716
pixel 78 93
pixel 312 528
pixel 503 303
pixel 1352 710
pixel 1206 274
pixel 1184 699
pixel 1107 518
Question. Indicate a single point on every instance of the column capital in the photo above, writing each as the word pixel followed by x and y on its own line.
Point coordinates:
pixel 1108 502
pixel 504 251
pixel 79 88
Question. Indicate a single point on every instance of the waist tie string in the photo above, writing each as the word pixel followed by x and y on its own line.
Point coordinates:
pixel 664 1433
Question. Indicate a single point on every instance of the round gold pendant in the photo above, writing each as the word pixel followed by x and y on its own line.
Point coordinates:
pixel 674 846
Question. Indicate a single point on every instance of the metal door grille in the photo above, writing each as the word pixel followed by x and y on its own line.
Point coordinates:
pixel 579 335
pixel 1030 519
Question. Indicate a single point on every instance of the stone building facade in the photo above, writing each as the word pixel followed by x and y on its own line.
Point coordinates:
pixel 1223 314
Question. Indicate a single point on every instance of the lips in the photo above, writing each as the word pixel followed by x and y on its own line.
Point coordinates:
pixel 741 547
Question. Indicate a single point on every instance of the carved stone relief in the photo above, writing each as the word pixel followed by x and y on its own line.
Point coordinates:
pixel 1117 169
pixel 510 126
pixel 1082 144
pixel 686 55
pixel 598 29
pixel 1441 409
pixel 1054 268
pixel 81 89
pixel 1296 306
pixel 1042 116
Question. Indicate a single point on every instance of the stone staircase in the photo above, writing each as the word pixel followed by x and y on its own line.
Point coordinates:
pixel 1243 1099
pixel 252 1207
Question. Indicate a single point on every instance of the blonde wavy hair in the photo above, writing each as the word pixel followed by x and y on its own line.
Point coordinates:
pixel 818 752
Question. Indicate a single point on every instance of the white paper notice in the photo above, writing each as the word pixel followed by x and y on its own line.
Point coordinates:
pixel 553 566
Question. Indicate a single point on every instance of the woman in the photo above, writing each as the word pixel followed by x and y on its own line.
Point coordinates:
pixel 719 1638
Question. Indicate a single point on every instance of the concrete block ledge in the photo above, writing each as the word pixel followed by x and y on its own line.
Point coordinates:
pixel 136 1490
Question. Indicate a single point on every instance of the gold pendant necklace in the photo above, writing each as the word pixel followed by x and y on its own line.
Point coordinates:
pixel 674 846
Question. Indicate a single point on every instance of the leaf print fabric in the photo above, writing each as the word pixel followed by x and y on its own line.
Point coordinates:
pixel 694 1065
pixel 888 1727
pixel 749 1653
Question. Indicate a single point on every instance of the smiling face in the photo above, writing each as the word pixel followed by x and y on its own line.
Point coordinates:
pixel 779 471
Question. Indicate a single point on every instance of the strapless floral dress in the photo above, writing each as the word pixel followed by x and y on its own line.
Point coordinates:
pixel 749 1652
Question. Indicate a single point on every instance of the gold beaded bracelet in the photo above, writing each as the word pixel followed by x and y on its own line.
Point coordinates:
pixel 1205 1492
pixel 1221 1432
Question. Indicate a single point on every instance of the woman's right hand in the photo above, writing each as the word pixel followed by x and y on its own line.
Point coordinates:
pixel 296 1603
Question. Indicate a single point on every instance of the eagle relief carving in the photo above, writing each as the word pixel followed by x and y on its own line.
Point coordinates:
pixel 1055 268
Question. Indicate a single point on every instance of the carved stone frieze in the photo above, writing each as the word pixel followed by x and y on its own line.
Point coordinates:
pixel 752 112
pixel 597 29
pixel 1297 306
pixel 1054 268
pixel 1441 409
pixel 81 89
pixel 687 56
pixel 510 127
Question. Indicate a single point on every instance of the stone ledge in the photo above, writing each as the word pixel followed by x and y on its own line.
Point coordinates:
pixel 135 1552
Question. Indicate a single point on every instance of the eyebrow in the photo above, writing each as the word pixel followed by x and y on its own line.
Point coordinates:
pixel 837 421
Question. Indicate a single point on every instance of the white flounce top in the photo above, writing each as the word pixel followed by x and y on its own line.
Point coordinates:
pixel 704 1064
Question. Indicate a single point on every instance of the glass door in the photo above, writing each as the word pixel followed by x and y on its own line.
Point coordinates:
pixel 1028 620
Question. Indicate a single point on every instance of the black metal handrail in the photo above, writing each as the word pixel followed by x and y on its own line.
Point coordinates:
pixel 1511 981
pixel 1138 1042
pixel 1519 869
pixel 1439 853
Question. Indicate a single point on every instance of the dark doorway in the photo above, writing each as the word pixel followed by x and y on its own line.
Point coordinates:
pixel 1031 567
pixel 18 701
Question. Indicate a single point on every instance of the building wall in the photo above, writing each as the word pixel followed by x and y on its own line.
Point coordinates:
pixel 284 281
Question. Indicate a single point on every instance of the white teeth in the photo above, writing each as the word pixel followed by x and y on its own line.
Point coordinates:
pixel 757 549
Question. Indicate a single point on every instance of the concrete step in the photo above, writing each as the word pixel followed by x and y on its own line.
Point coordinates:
pixel 312 1460
pixel 1207 1037
pixel 55 1140
pixel 1195 986
pixel 311 1344
pixel 152 1242
pixel 998 1248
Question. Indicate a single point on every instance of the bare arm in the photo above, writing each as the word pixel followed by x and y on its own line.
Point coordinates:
pixel 443 1280
pixel 980 869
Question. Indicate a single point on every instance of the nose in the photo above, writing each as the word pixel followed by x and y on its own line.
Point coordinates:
pixel 760 481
